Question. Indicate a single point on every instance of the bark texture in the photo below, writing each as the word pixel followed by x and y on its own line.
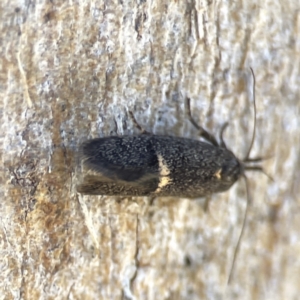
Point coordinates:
pixel 70 71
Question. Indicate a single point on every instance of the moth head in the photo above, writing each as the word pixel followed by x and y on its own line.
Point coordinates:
pixel 229 171
pixel 232 170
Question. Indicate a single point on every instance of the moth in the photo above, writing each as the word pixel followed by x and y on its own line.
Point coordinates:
pixel 159 165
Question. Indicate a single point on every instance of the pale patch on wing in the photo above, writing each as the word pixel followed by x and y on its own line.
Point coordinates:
pixel 164 173
pixel 218 174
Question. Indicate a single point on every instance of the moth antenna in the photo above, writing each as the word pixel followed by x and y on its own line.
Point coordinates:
pixel 246 159
pixel 254 106
pixel 237 247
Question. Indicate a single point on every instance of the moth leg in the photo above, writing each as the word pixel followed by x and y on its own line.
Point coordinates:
pixel 152 199
pixel 137 125
pixel 206 203
pixel 222 143
pixel 259 169
pixel 204 133
pixel 258 159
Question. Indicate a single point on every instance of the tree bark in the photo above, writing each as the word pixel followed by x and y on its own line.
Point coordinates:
pixel 71 71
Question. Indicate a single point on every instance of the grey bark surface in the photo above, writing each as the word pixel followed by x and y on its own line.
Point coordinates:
pixel 71 71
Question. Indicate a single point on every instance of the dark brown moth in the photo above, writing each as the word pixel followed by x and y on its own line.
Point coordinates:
pixel 158 165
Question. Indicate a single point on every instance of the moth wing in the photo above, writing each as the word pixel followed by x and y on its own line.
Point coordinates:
pixel 108 167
